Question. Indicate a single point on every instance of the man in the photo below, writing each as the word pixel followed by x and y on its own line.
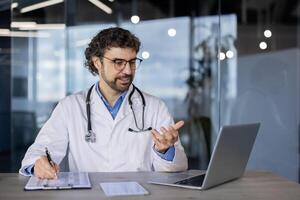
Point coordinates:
pixel 128 130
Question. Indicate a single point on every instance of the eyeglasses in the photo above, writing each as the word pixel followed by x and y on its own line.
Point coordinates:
pixel 120 64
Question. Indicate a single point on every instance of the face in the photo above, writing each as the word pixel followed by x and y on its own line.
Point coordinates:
pixel 118 81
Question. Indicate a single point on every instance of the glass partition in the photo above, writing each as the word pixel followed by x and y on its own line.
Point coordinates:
pixel 260 80
pixel 38 63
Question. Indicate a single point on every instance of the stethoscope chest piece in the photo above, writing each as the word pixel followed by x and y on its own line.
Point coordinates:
pixel 90 137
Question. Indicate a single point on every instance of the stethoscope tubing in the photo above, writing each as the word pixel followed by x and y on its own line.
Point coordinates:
pixel 91 136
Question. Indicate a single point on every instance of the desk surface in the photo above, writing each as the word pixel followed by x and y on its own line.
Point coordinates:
pixel 253 185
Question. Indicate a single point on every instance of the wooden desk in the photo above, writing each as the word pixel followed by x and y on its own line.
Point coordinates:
pixel 254 185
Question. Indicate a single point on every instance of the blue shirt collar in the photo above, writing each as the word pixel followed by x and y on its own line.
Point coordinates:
pixel 115 108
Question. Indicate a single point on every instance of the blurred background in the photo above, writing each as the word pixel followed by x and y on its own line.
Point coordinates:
pixel 214 63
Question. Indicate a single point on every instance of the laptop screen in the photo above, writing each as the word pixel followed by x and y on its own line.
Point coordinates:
pixel 193 181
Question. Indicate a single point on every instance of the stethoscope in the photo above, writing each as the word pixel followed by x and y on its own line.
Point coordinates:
pixel 91 136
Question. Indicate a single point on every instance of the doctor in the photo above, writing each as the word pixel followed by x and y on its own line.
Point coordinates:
pixel 112 126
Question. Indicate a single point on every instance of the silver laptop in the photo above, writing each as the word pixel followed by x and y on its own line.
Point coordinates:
pixel 229 158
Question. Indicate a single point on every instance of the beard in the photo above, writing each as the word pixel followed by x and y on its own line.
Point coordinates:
pixel 120 83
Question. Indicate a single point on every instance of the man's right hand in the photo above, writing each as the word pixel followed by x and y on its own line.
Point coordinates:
pixel 43 169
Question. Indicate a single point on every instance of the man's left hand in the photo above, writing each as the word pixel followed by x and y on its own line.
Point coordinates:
pixel 162 142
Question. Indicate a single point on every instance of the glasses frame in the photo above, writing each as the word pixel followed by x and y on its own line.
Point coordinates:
pixel 124 63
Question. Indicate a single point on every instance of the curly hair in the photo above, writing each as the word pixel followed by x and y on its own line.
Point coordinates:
pixel 104 40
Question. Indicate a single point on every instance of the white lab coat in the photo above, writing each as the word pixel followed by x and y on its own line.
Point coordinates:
pixel 116 149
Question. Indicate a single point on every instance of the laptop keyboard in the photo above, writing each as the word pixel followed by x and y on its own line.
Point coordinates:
pixel 193 181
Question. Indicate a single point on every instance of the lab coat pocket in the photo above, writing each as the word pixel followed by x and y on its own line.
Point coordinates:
pixel 141 150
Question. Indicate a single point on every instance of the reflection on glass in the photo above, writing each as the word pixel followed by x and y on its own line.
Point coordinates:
pixel 51 67
pixel 266 84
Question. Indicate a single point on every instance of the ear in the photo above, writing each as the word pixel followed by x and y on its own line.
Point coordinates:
pixel 97 63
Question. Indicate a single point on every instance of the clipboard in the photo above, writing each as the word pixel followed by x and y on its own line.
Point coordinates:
pixel 64 181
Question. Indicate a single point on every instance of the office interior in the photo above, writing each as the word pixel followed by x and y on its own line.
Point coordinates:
pixel 214 63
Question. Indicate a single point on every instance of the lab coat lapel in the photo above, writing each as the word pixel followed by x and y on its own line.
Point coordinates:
pixel 98 108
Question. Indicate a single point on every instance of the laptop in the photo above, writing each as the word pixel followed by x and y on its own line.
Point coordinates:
pixel 229 158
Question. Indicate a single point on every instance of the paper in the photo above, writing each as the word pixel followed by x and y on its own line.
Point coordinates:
pixel 123 188
pixel 65 180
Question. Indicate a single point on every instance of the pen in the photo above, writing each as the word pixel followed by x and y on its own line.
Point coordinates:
pixel 50 159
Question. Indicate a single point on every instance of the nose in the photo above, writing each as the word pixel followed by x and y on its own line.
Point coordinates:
pixel 127 69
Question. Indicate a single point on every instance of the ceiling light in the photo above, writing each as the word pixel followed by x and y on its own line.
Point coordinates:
pixel 4 31
pixel 102 6
pixel 263 45
pixel 267 33
pixel 14 5
pixel 222 56
pixel 40 5
pixel 135 19
pixel 172 32
pixel 23 24
pixel 145 55
pixel 229 54
pixel 44 27
pixel 35 26
pixel 24 34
